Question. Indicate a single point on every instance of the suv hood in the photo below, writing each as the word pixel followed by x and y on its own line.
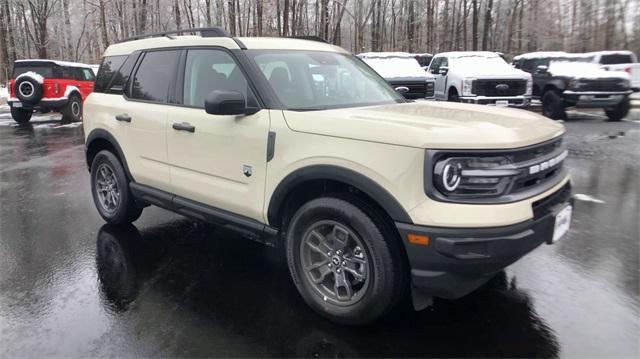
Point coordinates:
pixel 427 124
pixel 584 70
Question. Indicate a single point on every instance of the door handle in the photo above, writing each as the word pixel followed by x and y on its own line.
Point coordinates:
pixel 184 126
pixel 123 118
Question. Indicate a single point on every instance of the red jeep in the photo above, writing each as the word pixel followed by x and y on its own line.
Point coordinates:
pixel 49 85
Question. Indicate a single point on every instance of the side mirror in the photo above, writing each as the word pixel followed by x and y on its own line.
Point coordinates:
pixel 426 68
pixel 541 69
pixel 219 102
pixel 443 70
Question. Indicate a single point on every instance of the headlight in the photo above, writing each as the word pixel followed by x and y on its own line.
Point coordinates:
pixel 575 84
pixel 529 87
pixel 467 87
pixel 624 84
pixel 474 176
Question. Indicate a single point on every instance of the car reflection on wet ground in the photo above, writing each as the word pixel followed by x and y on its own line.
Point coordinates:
pixel 170 286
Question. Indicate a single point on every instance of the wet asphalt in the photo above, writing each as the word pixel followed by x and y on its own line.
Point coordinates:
pixel 71 286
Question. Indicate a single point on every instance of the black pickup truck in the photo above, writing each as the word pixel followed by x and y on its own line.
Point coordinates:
pixel 562 80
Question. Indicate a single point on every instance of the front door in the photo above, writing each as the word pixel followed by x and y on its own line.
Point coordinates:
pixel 217 160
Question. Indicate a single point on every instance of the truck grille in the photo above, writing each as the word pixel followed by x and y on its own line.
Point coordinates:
pixel 602 85
pixel 417 89
pixel 499 88
pixel 538 164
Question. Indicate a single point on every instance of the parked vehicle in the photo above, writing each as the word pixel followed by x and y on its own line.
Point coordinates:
pixel 371 195
pixel 49 85
pixel 620 61
pixel 402 72
pixel 479 77
pixel 562 80
pixel 424 60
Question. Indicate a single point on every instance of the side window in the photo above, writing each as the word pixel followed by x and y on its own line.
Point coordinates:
pixel 68 73
pixel 207 70
pixel 435 65
pixel 87 75
pixel 153 77
pixel 120 78
pixel 527 65
pixel 445 62
pixel 110 65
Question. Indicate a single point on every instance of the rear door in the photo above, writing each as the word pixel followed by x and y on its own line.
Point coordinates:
pixel 85 81
pixel 222 160
pixel 145 114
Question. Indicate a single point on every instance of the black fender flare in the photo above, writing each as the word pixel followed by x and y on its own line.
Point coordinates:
pixel 555 84
pixel 340 174
pixel 103 134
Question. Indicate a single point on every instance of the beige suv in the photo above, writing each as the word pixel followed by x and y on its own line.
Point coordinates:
pixel 299 143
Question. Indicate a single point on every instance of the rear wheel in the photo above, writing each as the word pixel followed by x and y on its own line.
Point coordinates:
pixel 21 116
pixel 110 190
pixel 72 112
pixel 552 106
pixel 342 261
pixel 618 112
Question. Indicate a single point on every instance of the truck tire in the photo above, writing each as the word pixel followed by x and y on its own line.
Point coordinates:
pixel 618 112
pixel 552 106
pixel 343 261
pixel 28 89
pixel 21 116
pixel 110 190
pixel 453 95
pixel 72 111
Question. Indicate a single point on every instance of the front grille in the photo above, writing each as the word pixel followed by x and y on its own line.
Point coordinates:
pixel 417 89
pixel 602 85
pixel 536 156
pixel 499 88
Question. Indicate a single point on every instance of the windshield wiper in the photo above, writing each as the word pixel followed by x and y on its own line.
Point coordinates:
pixel 301 109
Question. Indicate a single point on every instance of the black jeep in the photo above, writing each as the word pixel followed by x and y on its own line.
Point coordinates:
pixel 562 80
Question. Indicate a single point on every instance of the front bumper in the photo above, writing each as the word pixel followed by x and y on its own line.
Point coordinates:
pixel 595 99
pixel 512 101
pixel 456 261
pixel 42 105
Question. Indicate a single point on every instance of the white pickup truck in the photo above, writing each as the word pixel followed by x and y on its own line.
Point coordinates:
pixel 620 61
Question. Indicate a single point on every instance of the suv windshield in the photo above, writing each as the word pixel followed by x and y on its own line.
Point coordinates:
pixel 315 80
pixel 41 69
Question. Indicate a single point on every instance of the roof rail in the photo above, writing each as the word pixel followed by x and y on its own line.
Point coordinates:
pixel 310 38
pixel 203 31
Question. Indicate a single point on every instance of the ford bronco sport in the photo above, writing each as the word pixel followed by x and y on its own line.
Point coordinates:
pixel 562 80
pixel 300 143
pixel 49 85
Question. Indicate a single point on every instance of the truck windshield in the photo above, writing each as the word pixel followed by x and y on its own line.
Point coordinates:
pixel 316 80
pixel 43 70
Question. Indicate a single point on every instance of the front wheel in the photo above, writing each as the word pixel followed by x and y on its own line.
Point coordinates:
pixel 343 261
pixel 618 112
pixel 110 190
pixel 552 106
pixel 72 112
pixel 21 116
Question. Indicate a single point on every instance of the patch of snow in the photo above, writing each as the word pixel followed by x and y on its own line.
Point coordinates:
pixel 611 52
pixel 539 54
pixel 32 75
pixel 586 198
pixel 60 63
pixel 69 125
pixel 474 54
pixel 394 65
pixel 4 92
pixel 584 70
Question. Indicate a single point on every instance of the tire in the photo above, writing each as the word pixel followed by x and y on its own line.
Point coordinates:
pixel 552 106
pixel 453 96
pixel 110 190
pixel 72 111
pixel 618 112
pixel 27 89
pixel 21 116
pixel 370 252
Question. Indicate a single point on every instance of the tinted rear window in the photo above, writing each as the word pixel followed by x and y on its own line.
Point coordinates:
pixel 615 59
pixel 110 65
pixel 153 77
pixel 41 69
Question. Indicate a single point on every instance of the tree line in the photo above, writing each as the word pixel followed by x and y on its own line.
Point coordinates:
pixel 80 30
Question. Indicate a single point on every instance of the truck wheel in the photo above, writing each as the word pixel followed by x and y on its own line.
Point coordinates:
pixel 453 96
pixel 343 262
pixel 21 116
pixel 110 190
pixel 552 106
pixel 618 112
pixel 72 112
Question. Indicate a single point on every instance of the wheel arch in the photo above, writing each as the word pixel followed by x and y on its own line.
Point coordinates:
pixel 309 182
pixel 555 85
pixel 100 139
